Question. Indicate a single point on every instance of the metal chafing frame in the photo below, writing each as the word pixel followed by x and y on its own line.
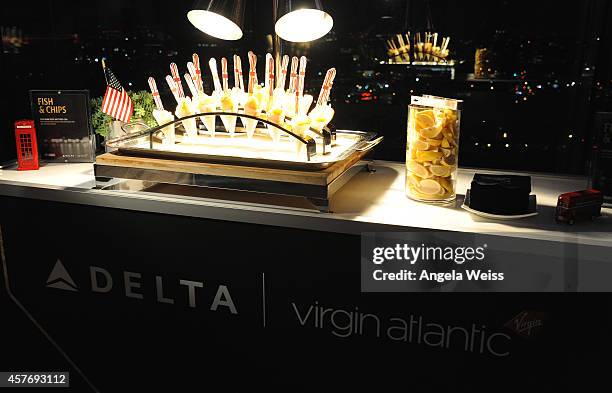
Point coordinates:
pixel 328 134
pixel 318 195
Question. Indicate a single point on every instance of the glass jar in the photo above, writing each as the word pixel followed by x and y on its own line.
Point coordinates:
pixel 432 149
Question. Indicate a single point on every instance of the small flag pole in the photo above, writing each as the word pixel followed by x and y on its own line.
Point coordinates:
pixel 104 70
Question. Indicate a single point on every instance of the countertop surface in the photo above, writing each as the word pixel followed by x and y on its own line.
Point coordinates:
pixel 369 202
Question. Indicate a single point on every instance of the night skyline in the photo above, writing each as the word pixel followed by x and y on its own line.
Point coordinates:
pixel 532 45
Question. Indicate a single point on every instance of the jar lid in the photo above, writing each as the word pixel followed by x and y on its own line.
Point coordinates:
pixel 437 102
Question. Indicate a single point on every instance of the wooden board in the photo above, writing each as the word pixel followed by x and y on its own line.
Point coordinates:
pixel 323 177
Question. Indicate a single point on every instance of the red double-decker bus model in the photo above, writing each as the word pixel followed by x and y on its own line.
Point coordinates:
pixel 578 206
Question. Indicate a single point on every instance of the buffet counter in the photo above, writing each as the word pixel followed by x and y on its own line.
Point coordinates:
pixel 239 275
pixel 369 202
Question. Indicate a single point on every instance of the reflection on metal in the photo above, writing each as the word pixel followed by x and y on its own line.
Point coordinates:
pixel 401 50
pixel 483 67
pixel 317 195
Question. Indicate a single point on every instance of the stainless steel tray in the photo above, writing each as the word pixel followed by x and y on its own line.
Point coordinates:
pixel 311 153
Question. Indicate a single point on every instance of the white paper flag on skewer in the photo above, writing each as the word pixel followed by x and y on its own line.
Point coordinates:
pixel 293 74
pixel 173 88
pixel 331 83
pixel 267 71
pixel 177 79
pixel 155 93
pixel 252 71
pixel 270 74
pixel 326 87
pixel 236 73
pixel 194 76
pixel 302 75
pixel 224 74
pixel 191 85
pixel 299 84
pixel 212 63
pixel 239 68
pixel 282 75
pixel 198 72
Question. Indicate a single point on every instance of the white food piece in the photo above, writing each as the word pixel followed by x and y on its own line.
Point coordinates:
pixel 164 117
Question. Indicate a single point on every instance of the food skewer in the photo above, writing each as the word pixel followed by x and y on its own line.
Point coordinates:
pixel 224 74
pixel 239 60
pixel 331 84
pixel 191 86
pixel 192 71
pixel 252 104
pixel 153 86
pixel 282 76
pixel 228 103
pixel 237 73
pixel 400 39
pixel 194 77
pixel 198 72
pixel 300 122
pixel 269 86
pixel 270 74
pixel 161 115
pixel 212 63
pixel 177 79
pixel 293 74
pixel 267 67
pixel 276 110
pixel 446 43
pixel 184 106
pixel 238 90
pixel 253 68
pixel 301 99
pixel 322 113
pixel 325 87
pixel 252 72
pixel 185 109
pixel 173 88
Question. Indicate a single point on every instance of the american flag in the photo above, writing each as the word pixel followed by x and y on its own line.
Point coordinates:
pixel 116 102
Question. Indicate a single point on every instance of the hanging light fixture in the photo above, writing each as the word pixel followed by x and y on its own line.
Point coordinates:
pixel 302 21
pixel 219 18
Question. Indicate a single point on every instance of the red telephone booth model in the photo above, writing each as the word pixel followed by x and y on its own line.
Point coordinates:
pixel 27 148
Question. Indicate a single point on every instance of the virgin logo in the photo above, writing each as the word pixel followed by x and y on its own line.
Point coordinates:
pixel 526 323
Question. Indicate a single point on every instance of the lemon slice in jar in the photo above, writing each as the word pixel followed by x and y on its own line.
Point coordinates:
pixel 431 132
pixel 446 183
pixel 420 145
pixel 428 155
pixel 424 119
pixel 414 180
pixel 418 169
pixel 434 142
pixel 430 187
pixel 440 170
